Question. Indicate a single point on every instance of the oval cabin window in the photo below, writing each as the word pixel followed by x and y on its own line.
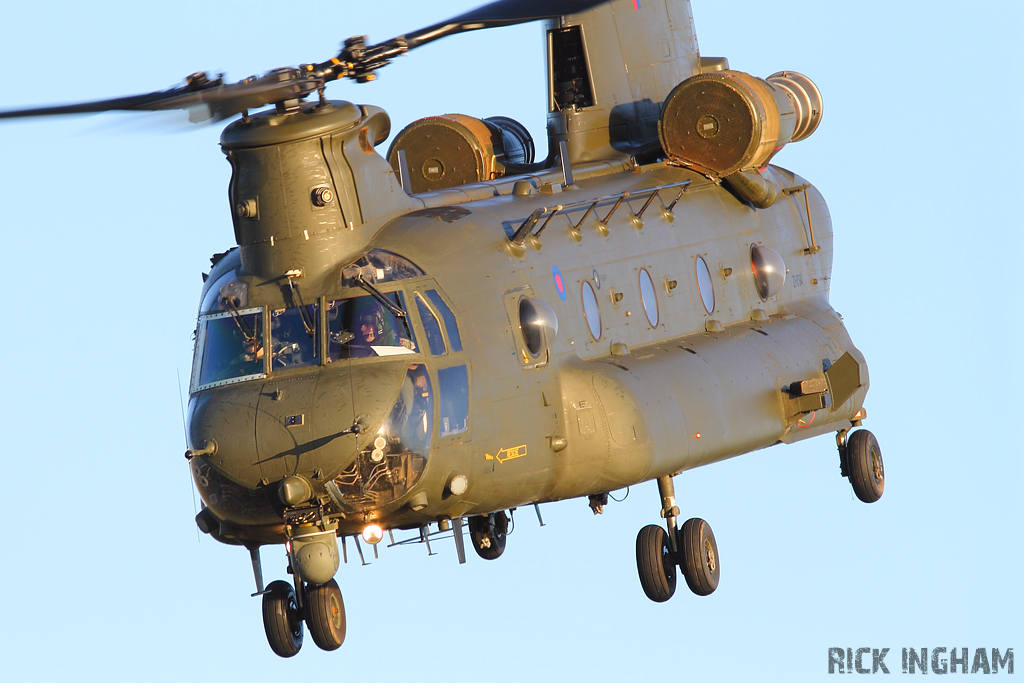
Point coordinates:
pixel 649 297
pixel 591 310
pixel 705 285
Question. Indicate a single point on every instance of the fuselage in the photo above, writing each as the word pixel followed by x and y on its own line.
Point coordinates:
pixel 676 361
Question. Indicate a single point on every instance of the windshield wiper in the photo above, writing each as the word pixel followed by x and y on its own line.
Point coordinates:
pixel 307 317
pixel 249 335
pixel 375 293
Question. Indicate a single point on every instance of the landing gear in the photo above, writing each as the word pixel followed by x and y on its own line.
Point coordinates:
pixel 692 548
pixel 281 619
pixel 698 556
pixel 655 563
pixel 325 615
pixel 861 463
pixel 488 533
pixel 322 609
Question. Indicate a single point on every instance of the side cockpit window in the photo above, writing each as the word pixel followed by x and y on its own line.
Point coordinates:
pixel 454 405
pixel 431 325
pixel 433 310
pixel 449 319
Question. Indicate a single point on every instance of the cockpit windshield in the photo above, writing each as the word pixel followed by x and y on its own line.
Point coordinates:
pixel 363 327
pixel 237 341
pixel 293 337
pixel 231 347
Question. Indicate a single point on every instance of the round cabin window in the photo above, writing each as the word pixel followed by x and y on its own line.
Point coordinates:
pixel 648 297
pixel 591 310
pixel 769 271
pixel 705 285
pixel 539 325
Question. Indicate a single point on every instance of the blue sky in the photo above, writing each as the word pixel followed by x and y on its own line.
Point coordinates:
pixel 108 222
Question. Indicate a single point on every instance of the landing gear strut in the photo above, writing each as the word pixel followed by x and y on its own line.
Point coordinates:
pixel 692 548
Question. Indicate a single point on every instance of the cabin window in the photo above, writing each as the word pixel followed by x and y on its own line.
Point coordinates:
pixel 449 319
pixel 293 337
pixel 538 324
pixel 454 399
pixel 591 311
pixel 230 348
pixel 769 271
pixel 705 285
pixel 648 297
pixel 363 327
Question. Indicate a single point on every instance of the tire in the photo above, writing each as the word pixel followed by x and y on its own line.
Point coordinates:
pixel 281 619
pixel 699 556
pixel 489 534
pixel 864 465
pixel 655 564
pixel 325 615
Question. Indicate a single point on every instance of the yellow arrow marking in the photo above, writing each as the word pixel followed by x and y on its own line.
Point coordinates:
pixel 506 454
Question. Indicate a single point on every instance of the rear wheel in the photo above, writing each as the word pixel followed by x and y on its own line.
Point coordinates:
pixel 699 556
pixel 281 619
pixel 488 533
pixel 325 615
pixel 864 465
pixel 655 564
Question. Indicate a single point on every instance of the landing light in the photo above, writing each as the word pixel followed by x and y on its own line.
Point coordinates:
pixel 373 534
pixel 458 484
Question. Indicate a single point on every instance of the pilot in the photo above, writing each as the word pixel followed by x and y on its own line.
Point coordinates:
pixel 369 332
pixel 376 328
pixel 371 328
pixel 253 349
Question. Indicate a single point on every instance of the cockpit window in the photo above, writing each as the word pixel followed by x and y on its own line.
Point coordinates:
pixel 227 293
pixel 231 347
pixel 293 337
pixel 392 460
pixel 362 327
pixel 379 266
pixel 454 392
pixel 432 326
pixel 449 319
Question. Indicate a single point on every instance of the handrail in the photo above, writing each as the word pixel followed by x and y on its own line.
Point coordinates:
pixel 526 227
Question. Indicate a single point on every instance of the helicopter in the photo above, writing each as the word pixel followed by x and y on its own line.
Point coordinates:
pixel 650 298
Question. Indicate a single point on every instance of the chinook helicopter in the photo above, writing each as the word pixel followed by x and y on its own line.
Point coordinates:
pixel 650 298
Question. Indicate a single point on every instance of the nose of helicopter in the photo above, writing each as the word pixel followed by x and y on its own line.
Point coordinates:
pixel 257 433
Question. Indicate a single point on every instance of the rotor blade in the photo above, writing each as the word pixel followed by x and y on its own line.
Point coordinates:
pixel 131 103
pixel 211 98
pixel 500 13
pixel 359 61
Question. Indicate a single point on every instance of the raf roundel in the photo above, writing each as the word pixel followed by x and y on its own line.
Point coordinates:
pixel 556 274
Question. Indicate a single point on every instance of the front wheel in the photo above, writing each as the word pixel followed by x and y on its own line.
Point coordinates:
pixel 864 465
pixel 325 615
pixel 655 564
pixel 281 619
pixel 699 556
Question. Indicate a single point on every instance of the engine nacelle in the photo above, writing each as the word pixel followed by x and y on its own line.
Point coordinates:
pixel 454 149
pixel 728 121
